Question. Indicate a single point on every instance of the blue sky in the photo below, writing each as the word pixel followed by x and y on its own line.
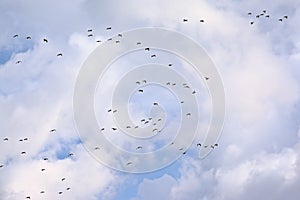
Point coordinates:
pixel 258 156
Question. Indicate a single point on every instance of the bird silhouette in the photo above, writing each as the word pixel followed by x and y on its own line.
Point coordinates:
pixel 45 40
pixel 138 82
pixel 28 197
pixel 90 30
pixel 117 41
pixel 199 144
pixel 60 192
pixel 98 41
pixel 267 16
pixel 128 127
pixel 96 148
pixel 129 163
pixel 138 43
pixel 147 49
pixel 102 129
pixel 144 81
pixel 16 36
pixel 206 78
pixel 249 13
pixel 90 35
pixel 170 64
pixel 18 62
pixel 139 147
pixel 68 188
pixel 201 20
pixel 1 166
pixel 120 35
pixel 188 114
pixel 63 179
pixel 28 38
pixel 141 90
pixel 42 192
pixel 285 16
pixel 5 139
pixel 185 20
pixel 252 22
pixel 153 56
pixel 109 110
pixel 108 28
pixel 155 104
pixel 114 129
pixel 257 16
pixel 59 54
pixel 43 169
pixel 52 130
pixel 71 154
pixel 23 152
pixel 194 92
pixel 280 20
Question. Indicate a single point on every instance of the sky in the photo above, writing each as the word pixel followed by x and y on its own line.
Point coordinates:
pixel 258 152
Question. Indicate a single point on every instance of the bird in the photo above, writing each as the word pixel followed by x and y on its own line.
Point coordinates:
pixel 60 192
pixel 252 22
pixel 28 197
pixel 194 92
pixel 168 83
pixel 155 103
pixel 71 154
pixel 52 130
pixel 89 30
pixel 42 192
pixel 216 145
pixel 20 140
pixel 146 122
pixel 109 39
pixel 182 102
pixel 199 144
pixel 43 169
pixel 63 179
pixel 114 129
pixel 147 49
pixel 102 129
pixel 154 130
pixel 142 120
pixel 141 90
pixel 144 81
pixel 185 20
pixel 138 82
pixel 212 146
pixel 120 35
pixel 114 111
pixel 201 20
pixel 108 28
pixel 186 86
pixel 264 11
pixel 90 35
pixel 16 35
pixel 25 139
pixel 173 84
pixel 1 166
pixel 285 16
pixel 5 139
pixel 188 114
pixel 136 126
pixel 280 20
pixel 18 62
pixel 45 158
pixel 180 149
pixel 68 188
pixel 249 13
pixel 139 147
pixel 59 54
pixel 206 78
pixel 159 120
pixel 153 56
pixel 184 152
pixel 129 163
pixel 128 127
pixel 267 16
pixel 98 41
pixel 45 40
pixel 257 16
pixel 170 64
pixel 138 43
pixel 23 152
pixel 96 148
pixel 109 110
pixel 28 38
pixel 117 41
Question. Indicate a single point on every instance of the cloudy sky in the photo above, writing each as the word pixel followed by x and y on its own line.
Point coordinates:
pixel 258 156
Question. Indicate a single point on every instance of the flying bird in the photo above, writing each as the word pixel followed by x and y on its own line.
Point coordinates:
pixel 114 111
pixel 285 16
pixel 201 20
pixel 117 41
pixel 45 40
pixel 144 81
pixel 185 20
pixel 153 56
pixel 20 140
pixel 109 110
pixel 264 11
pixel 138 82
pixel 252 22
pixel 206 78
pixel 96 148
pixel 18 62
pixel 188 114
pixel 5 139
pixel 267 16
pixel 108 28
pixel 109 39
pixel 120 35
pixel 28 38
pixel 42 192
pixel 138 43
pixel 71 154
pixel 90 35
pixel 59 54
pixel 63 179
pixel 16 36
pixel 68 188
pixel 280 20
pixel 170 64
pixel 249 13
pixel 141 90
pixel 60 192
pixel 168 83
pixel 194 92
pixel 28 197
pixel 147 49
pixel 155 104
pixel 199 145
pixel 129 163
pixel 102 129
pixel 114 129
pixel 128 127
pixel 1 166
pixel 43 169
pixel 23 152
pixel 90 30
pixel 98 40
pixel 25 139
pixel 45 158
pixel 257 16
pixel 139 147
pixel 52 130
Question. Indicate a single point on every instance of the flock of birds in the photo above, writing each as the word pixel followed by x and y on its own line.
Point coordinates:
pixel 144 121
pixel 264 14
pixel 45 159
